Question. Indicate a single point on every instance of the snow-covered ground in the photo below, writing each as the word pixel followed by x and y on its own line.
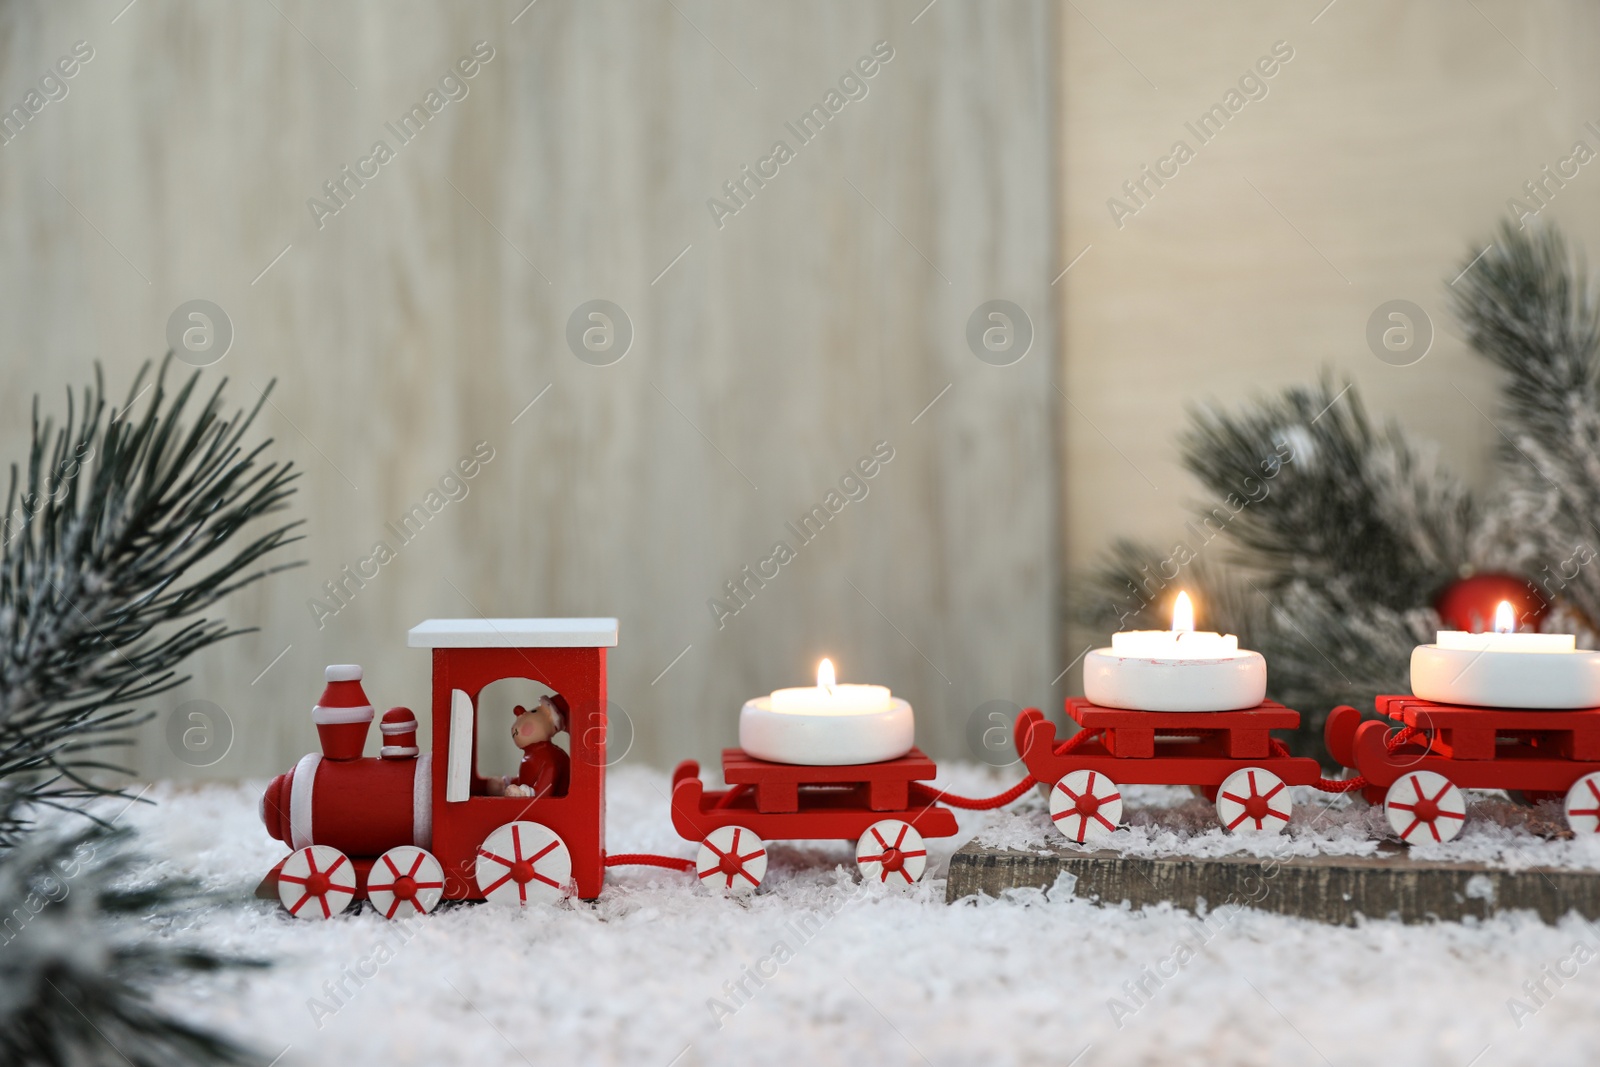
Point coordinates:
pixel 818 969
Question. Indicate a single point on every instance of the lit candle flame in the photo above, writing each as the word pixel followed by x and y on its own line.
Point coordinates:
pixel 1505 619
pixel 825 678
pixel 1183 614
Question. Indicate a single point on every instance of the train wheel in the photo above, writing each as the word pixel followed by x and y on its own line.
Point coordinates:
pixel 1583 805
pixel 405 881
pixel 521 862
pixel 317 882
pixel 1424 806
pixel 732 860
pixel 1253 799
pixel 1086 806
pixel 891 851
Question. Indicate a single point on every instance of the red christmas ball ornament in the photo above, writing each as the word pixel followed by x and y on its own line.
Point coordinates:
pixel 1469 603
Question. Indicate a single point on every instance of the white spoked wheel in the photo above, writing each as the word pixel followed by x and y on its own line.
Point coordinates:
pixel 317 882
pixel 1086 806
pixel 1252 800
pixel 1583 805
pixel 522 862
pixel 891 851
pixel 732 860
pixel 405 881
pixel 1424 806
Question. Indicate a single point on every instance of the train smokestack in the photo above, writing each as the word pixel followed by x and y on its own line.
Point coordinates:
pixel 343 714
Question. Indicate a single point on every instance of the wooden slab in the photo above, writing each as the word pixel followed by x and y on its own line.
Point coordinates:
pixel 1330 889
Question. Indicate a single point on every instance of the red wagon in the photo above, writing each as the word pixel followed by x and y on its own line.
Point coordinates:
pixel 1418 767
pixel 883 807
pixel 1230 755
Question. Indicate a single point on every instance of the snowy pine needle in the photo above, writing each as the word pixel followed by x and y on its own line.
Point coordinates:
pixel 122 530
pixel 79 962
pixel 119 533
pixel 1530 307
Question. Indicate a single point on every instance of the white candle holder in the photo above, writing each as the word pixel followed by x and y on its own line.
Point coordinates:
pixel 1228 682
pixel 822 738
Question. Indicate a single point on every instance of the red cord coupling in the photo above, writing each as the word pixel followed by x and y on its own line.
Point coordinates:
pixel 646 859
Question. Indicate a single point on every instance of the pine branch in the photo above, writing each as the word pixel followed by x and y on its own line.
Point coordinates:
pixel 1530 307
pixel 79 962
pixel 1351 502
pixel 119 532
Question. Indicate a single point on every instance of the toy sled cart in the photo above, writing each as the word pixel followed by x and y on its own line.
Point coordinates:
pixel 1230 755
pixel 881 806
pixel 1419 767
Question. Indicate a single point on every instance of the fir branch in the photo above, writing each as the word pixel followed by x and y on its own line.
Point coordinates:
pixel 119 532
pixel 1530 307
pixel 78 960
pixel 1352 501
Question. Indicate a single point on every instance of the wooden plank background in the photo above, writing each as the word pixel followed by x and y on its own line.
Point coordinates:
pixel 769 354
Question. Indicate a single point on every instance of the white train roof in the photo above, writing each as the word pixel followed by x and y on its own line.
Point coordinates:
pixel 513 633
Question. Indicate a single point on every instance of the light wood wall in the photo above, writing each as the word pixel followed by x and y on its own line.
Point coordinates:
pixel 770 353
pixel 818 320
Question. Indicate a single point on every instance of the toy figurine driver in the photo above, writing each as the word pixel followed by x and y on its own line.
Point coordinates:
pixel 545 769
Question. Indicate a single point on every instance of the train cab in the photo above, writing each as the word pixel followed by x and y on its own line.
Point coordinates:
pixel 506 844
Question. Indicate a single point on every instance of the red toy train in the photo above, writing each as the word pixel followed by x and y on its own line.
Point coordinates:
pixel 407 830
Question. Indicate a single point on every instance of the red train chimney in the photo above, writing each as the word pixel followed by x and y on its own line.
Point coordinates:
pixel 399 728
pixel 343 714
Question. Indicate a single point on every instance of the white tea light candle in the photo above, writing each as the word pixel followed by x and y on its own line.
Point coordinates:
pixel 828 724
pixel 1505 669
pixel 828 697
pixel 1180 642
pixel 1180 669
pixel 1504 637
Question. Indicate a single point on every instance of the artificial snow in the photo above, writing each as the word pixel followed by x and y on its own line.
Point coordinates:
pixel 818 968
